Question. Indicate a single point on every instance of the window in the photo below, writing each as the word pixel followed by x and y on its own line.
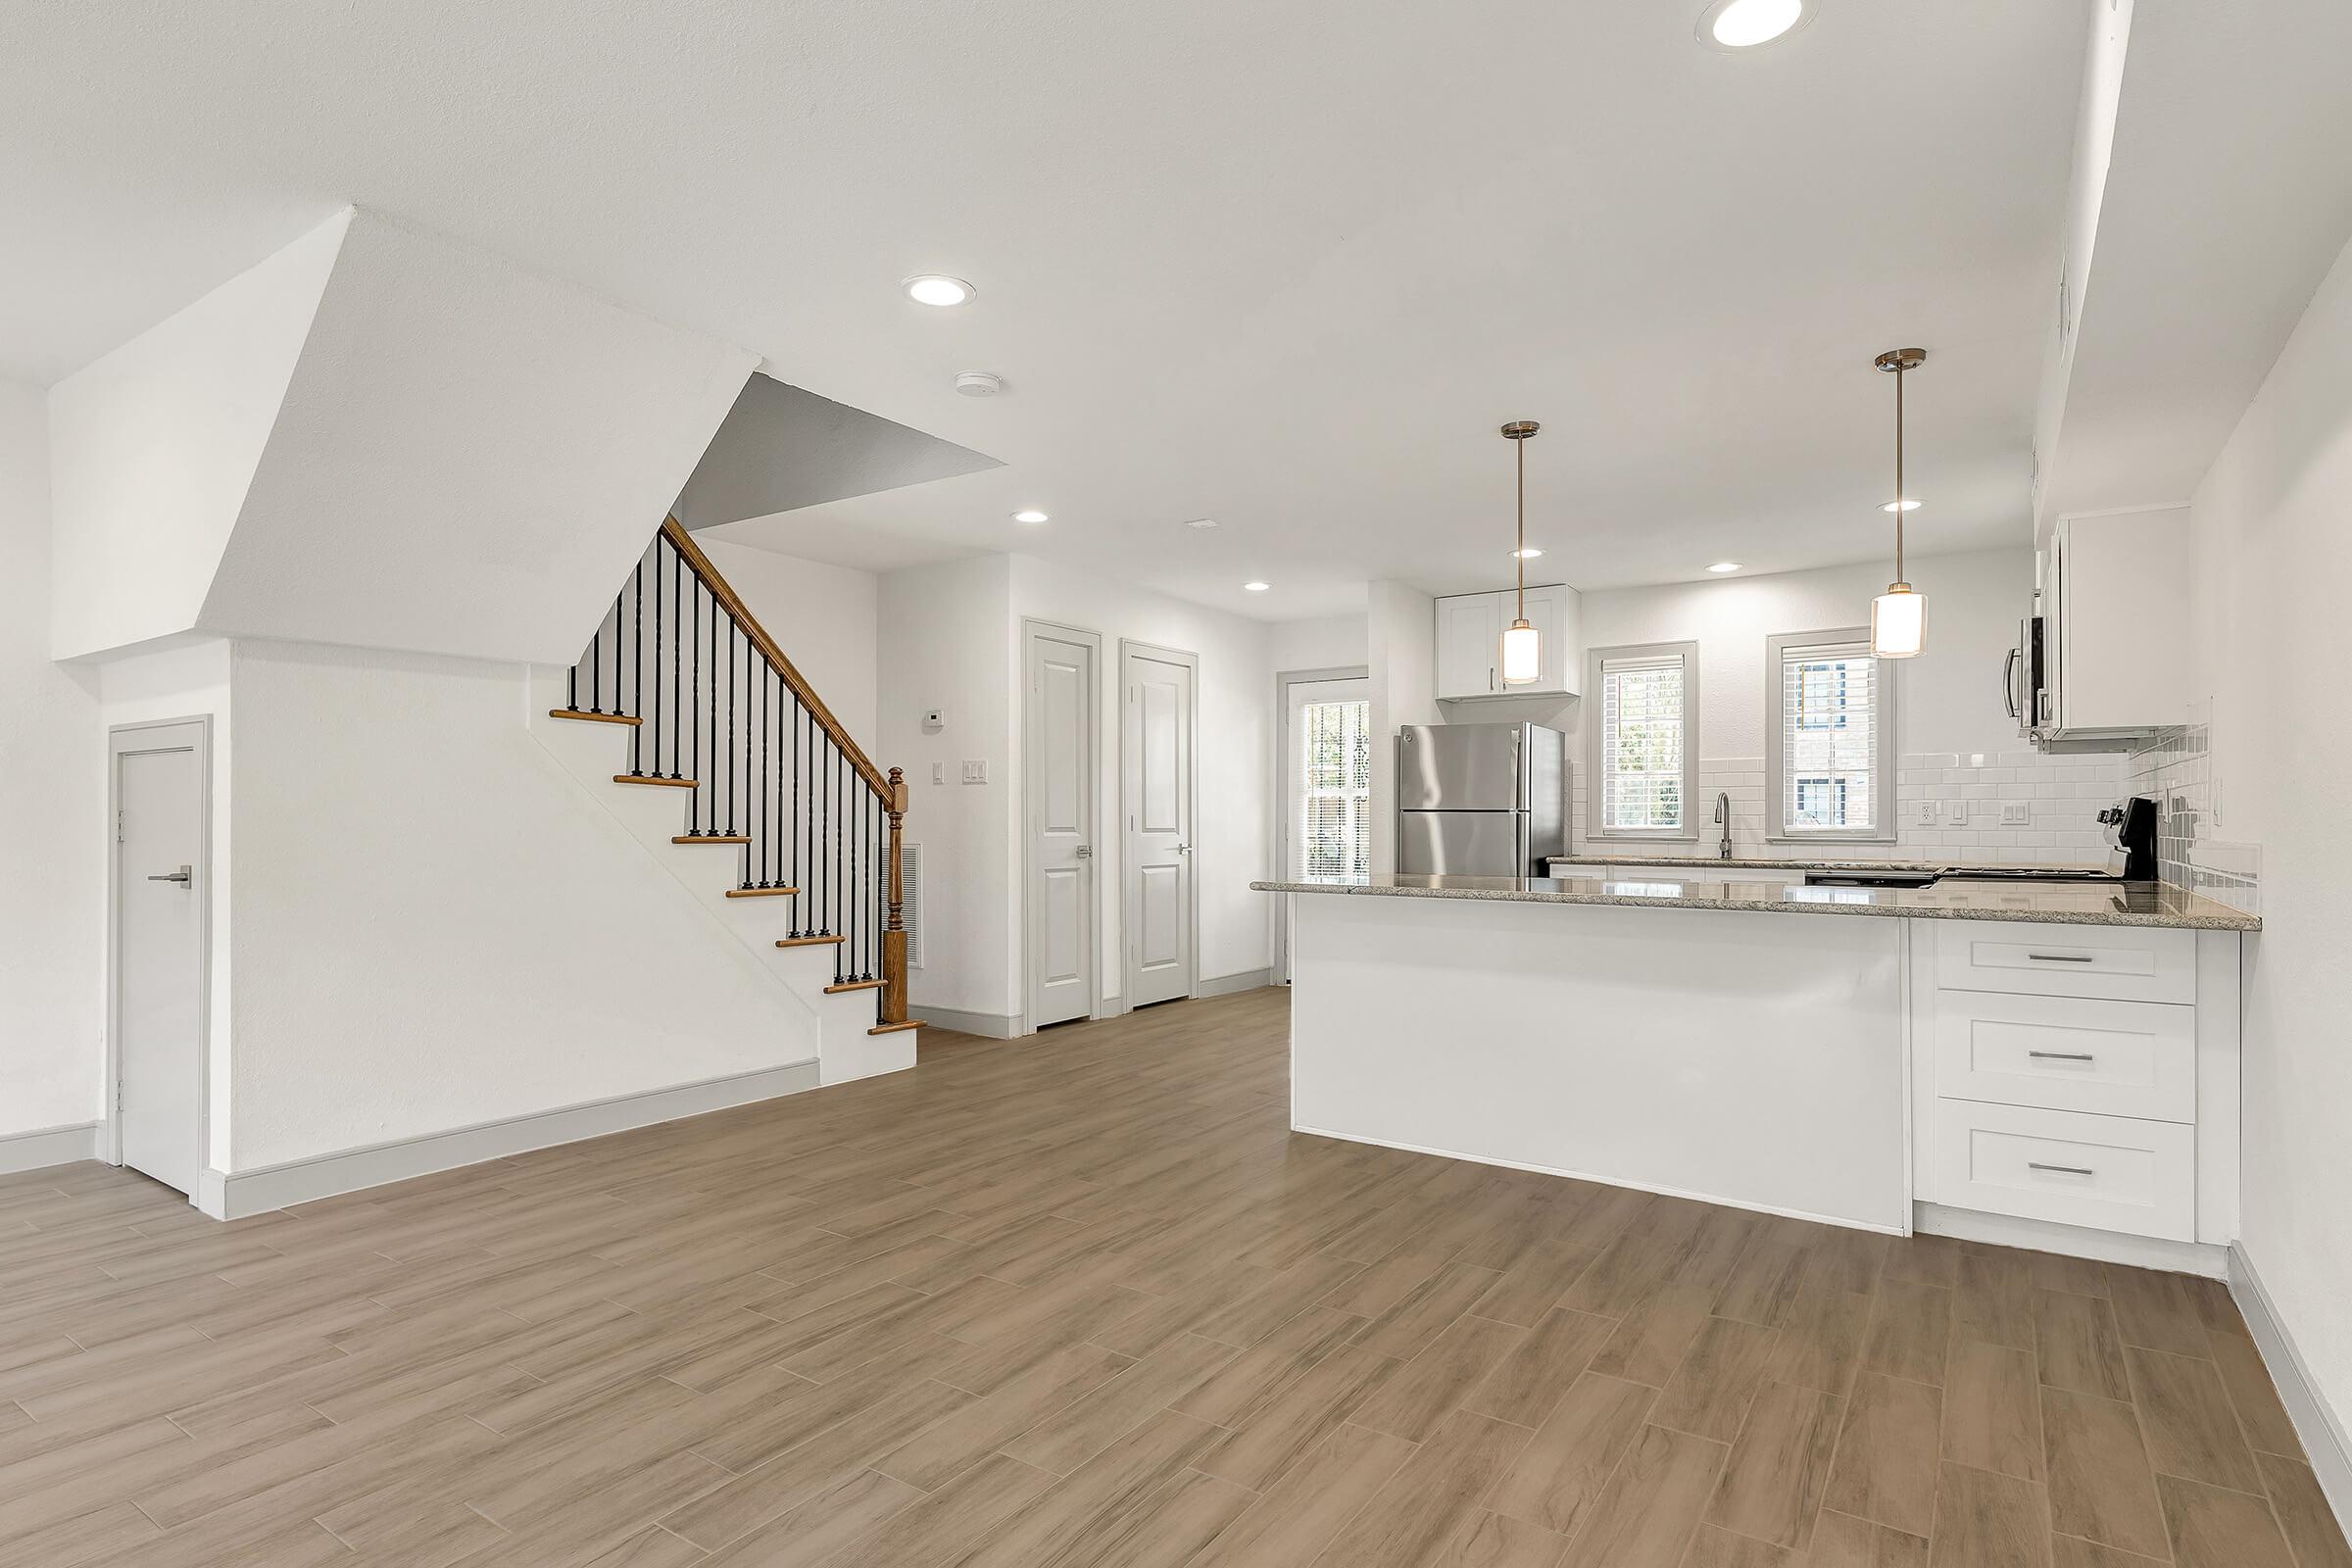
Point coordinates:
pixel 1831 733
pixel 1335 789
pixel 1644 748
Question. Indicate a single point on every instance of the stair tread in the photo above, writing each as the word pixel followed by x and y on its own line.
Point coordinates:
pixel 806 942
pixel 594 718
pixel 655 778
pixel 853 985
pixel 760 893
pixel 712 837
pixel 894 1028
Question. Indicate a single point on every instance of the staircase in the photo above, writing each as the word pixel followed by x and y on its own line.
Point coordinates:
pixel 716 716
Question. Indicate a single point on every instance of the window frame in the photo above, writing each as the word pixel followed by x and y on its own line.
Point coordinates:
pixel 1597 827
pixel 1883 716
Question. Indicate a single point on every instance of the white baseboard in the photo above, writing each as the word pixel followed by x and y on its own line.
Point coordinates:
pixel 234 1194
pixel 1605 1181
pixel 988 1025
pixel 2072 1240
pixel 2324 1442
pixel 1225 985
pixel 48 1146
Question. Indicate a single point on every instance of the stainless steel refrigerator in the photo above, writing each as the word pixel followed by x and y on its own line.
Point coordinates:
pixel 1480 799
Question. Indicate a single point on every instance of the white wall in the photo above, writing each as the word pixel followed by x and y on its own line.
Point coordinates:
pixel 1401 641
pixel 52 817
pixel 825 618
pixel 1234 740
pixel 154 447
pixel 951 646
pixel 437 927
pixel 1332 641
pixel 2271 553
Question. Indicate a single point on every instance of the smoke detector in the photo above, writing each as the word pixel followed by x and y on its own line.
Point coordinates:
pixel 979 384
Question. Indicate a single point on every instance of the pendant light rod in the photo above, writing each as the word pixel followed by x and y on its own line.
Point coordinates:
pixel 1518 432
pixel 1522 657
pixel 1899 361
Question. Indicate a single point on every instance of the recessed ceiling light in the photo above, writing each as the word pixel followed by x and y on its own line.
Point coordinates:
pixel 936 288
pixel 1255 587
pixel 1745 24
pixel 1030 515
pixel 1201 522
pixel 1725 566
pixel 1529 554
pixel 1906 504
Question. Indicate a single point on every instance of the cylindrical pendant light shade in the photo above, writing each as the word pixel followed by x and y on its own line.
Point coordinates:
pixel 1522 654
pixel 1898 622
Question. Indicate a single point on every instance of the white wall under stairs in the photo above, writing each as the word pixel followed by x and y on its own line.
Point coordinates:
pixel 593 752
pixel 450 919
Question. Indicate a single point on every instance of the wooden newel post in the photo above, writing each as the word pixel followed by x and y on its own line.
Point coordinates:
pixel 894 935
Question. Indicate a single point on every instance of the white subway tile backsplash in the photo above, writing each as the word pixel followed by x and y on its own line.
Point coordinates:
pixel 2065 794
pixel 2175 768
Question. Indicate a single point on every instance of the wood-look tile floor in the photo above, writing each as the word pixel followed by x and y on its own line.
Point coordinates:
pixel 1083 1300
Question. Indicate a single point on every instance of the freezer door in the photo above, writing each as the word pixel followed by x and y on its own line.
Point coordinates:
pixel 1462 843
pixel 1459 767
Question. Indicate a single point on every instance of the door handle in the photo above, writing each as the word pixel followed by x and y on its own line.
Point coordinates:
pixel 183 876
pixel 1183 848
pixel 1084 852
pixel 2009 683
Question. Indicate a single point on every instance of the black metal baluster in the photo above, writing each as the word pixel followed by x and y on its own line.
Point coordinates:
pixel 763 795
pixel 637 666
pixel 730 751
pixel 596 665
pixel 694 710
pixel 678 661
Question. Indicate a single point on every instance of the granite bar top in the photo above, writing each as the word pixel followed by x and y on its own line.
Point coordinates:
pixel 1737 862
pixel 1954 897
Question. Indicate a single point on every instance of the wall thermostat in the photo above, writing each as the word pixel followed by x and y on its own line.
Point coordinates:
pixel 935 719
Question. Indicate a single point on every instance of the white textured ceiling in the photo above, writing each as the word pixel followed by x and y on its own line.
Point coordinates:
pixel 1284 266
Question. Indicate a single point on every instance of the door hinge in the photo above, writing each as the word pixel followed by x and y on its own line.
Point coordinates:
pixel 117 825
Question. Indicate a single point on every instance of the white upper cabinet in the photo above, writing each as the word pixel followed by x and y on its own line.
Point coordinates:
pixel 1469 642
pixel 2115 598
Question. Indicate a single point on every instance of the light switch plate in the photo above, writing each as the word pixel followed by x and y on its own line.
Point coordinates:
pixel 939 772
pixel 2016 813
pixel 975 771
pixel 1955 813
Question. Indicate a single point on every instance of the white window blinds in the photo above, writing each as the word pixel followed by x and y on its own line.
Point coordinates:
pixel 1644 708
pixel 1334 796
pixel 1831 715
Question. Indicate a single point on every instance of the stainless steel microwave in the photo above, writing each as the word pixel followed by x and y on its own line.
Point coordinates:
pixel 2026 677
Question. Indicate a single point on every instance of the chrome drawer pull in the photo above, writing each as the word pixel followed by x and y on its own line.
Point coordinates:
pixel 2062 958
pixel 2063 1055
pixel 2067 1170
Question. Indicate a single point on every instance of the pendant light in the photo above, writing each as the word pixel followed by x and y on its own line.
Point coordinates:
pixel 1898 618
pixel 1522 644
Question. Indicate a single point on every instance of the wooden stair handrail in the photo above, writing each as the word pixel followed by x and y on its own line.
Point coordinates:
pixel 890 788
pixel 724 593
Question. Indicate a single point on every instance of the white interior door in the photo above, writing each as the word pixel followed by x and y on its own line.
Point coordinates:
pixel 1326 784
pixel 1157 787
pixel 1060 784
pixel 161 885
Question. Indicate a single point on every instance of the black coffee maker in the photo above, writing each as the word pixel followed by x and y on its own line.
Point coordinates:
pixel 2131 825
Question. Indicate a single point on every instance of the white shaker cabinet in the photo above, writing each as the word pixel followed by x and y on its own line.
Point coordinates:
pixel 1469 642
pixel 2115 597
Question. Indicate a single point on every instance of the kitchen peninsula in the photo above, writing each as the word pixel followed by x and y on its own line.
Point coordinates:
pixel 2057 1061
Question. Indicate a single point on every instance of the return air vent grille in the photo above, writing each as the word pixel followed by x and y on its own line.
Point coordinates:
pixel 910 873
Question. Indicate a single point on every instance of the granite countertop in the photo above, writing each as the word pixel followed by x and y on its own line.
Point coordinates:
pixel 1954 897
pixel 1737 862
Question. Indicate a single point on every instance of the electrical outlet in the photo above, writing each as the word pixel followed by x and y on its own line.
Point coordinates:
pixel 2016 813
pixel 1923 814
pixel 975 771
pixel 1955 813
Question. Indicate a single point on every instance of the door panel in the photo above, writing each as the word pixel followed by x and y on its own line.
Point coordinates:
pixel 1061 788
pixel 1156 780
pixel 1468 643
pixel 158 963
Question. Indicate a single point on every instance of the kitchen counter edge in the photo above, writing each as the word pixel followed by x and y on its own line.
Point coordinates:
pixel 2195 914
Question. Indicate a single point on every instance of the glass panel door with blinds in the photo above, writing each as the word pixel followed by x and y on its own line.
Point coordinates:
pixel 1832 734
pixel 1328 784
pixel 1643 749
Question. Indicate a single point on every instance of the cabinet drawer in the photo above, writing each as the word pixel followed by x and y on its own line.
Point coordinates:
pixel 2116 1058
pixel 2122 963
pixel 2111 1173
